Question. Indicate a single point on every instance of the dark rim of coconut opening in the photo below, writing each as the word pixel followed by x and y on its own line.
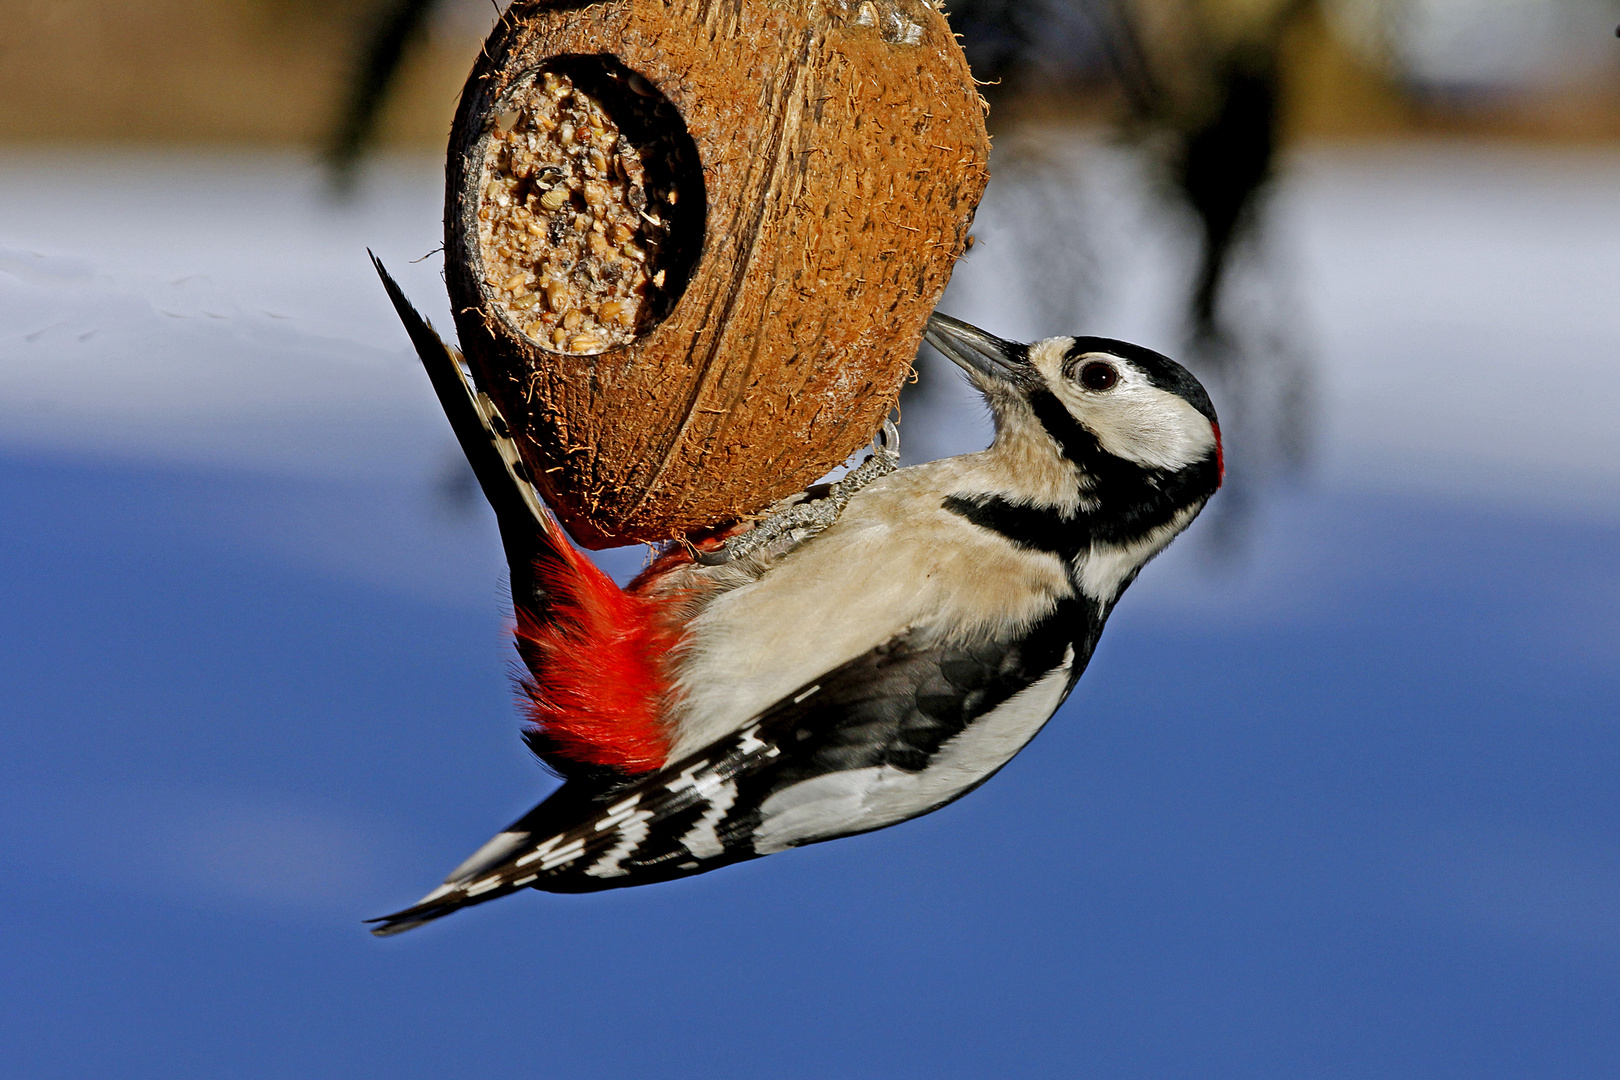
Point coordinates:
pixel 605 222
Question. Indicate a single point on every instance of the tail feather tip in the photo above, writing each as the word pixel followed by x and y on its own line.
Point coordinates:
pixel 409 919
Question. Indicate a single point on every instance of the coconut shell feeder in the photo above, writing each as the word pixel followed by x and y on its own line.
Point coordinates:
pixel 691 245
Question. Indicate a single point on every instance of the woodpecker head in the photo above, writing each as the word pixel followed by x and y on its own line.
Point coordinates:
pixel 1133 425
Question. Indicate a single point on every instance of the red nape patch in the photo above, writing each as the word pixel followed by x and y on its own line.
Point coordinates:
pixel 598 675
pixel 1220 456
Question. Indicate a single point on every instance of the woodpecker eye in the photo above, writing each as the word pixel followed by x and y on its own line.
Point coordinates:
pixel 1098 376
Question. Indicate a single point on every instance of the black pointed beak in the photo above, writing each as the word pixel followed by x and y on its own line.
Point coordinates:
pixel 977 352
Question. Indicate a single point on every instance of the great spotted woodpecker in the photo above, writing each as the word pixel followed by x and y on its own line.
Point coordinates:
pixel 841 678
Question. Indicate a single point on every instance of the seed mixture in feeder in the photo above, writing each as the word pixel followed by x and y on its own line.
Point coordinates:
pixel 802 177
pixel 570 225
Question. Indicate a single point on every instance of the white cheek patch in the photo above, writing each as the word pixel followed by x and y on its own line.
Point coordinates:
pixel 1134 420
pixel 1149 426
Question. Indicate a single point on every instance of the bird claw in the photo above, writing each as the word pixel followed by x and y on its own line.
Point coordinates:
pixel 810 515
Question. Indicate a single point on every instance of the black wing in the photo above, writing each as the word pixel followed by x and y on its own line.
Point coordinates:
pixel 896 706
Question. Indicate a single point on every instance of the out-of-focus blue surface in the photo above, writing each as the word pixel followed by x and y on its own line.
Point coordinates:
pixel 1341 803
pixel 1360 824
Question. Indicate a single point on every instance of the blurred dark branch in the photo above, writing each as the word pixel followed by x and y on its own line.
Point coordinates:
pixel 1218 98
pixel 1223 165
pixel 1122 48
pixel 400 22
pixel 1210 92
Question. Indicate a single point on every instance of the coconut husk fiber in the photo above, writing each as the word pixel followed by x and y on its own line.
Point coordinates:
pixel 691 244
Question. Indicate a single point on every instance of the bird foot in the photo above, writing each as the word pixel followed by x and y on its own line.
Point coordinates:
pixel 801 516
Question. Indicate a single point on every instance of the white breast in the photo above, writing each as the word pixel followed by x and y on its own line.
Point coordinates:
pixel 895 560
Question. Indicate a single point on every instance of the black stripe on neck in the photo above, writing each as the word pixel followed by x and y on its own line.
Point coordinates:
pixel 1134 499
pixel 1075 441
pixel 1033 528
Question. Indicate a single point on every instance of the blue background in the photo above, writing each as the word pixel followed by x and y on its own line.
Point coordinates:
pixel 1359 824
pixel 1337 797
